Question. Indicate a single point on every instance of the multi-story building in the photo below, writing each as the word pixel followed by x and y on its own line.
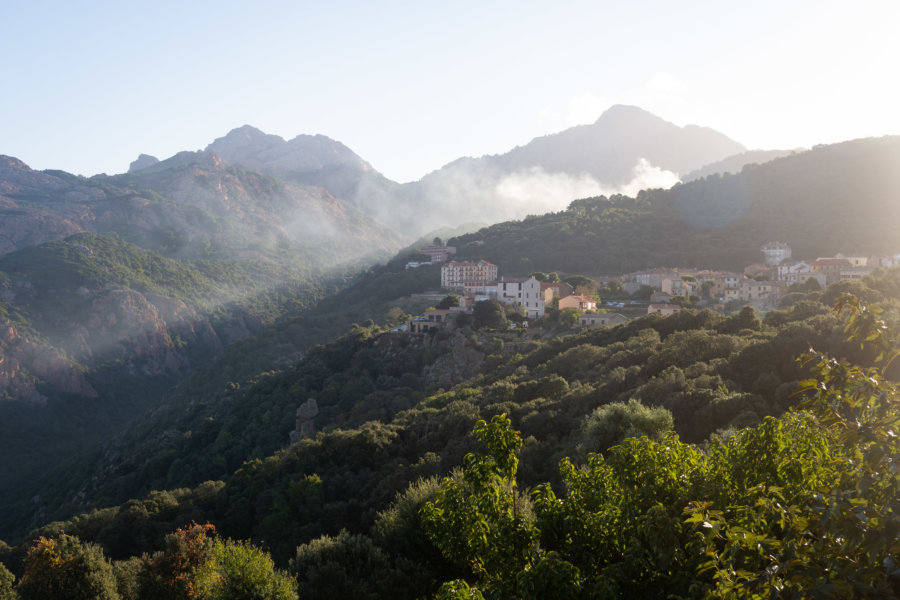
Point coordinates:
pixel 532 298
pixel 651 277
pixel 509 290
pixel 831 268
pixel 457 274
pixel 775 252
pixel 799 272
pixel 760 292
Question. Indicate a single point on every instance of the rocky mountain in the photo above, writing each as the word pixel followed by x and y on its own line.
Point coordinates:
pixel 192 205
pixel 626 149
pixel 312 160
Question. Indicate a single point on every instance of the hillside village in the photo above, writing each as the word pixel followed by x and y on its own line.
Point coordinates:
pixel 663 290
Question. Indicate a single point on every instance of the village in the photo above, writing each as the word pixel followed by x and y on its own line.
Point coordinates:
pixel 659 290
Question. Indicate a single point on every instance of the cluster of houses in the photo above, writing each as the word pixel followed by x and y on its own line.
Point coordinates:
pixel 760 285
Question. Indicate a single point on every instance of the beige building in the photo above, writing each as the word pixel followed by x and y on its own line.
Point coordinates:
pixel 456 274
pixel 663 309
pixel 582 303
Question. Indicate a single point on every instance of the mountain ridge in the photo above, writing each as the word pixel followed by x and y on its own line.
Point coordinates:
pixel 617 150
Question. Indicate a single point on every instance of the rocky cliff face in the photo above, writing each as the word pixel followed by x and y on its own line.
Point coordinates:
pixel 182 206
pixel 28 369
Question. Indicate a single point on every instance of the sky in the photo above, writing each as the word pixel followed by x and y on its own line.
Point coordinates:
pixel 410 86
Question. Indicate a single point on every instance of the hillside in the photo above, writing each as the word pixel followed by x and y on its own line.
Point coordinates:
pixel 593 236
pixel 190 237
pixel 385 431
pixel 736 162
pixel 112 289
pixel 841 197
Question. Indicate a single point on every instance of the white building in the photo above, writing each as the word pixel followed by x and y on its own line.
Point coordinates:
pixel 533 299
pixel 775 252
pixel 524 292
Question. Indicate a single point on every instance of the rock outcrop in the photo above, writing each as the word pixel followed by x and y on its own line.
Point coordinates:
pixel 305 424
pixel 142 162
pixel 28 369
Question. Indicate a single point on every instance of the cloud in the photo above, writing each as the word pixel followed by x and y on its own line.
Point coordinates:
pixel 534 191
pixel 645 176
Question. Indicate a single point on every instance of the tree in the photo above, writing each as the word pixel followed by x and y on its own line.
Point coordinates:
pixel 244 572
pixel 643 293
pixel 608 425
pixel 747 318
pixel 479 519
pixel 181 571
pixel 568 317
pixel 65 568
pixel 6 584
pixel 582 285
pixel 395 315
pixel 198 565
pixel 448 301
pixel 489 313
pixel 837 535
pixel 345 566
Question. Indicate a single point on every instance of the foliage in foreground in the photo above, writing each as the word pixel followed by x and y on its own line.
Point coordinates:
pixel 799 506
pixel 195 565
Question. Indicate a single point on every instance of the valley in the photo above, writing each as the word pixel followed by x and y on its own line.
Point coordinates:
pixel 160 328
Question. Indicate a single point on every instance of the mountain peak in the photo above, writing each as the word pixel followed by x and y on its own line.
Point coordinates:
pixel 11 163
pixel 243 140
pixel 142 162
pixel 627 111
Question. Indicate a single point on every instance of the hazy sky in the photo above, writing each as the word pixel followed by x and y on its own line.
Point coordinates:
pixel 85 86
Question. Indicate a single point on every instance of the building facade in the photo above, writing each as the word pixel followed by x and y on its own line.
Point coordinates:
pixel 457 274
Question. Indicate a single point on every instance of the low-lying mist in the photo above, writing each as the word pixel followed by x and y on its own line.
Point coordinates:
pixel 472 191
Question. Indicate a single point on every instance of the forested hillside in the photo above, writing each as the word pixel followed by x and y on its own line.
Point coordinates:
pixel 398 411
pixel 112 289
pixel 830 199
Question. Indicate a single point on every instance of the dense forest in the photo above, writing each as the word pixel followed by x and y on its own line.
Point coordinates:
pixel 683 456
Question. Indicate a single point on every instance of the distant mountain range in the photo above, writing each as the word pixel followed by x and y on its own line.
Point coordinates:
pixel 626 149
